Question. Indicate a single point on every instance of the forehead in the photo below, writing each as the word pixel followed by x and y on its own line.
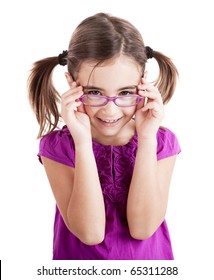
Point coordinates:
pixel 115 72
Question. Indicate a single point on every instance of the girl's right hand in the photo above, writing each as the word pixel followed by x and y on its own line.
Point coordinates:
pixel 74 116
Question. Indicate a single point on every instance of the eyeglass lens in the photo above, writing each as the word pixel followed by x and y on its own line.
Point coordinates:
pixel 92 100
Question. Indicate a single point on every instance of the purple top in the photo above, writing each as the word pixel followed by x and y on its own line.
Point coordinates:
pixel 115 167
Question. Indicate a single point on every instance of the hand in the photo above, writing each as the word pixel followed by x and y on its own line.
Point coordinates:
pixel 76 120
pixel 149 115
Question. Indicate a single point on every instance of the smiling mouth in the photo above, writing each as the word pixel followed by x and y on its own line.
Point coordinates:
pixel 109 121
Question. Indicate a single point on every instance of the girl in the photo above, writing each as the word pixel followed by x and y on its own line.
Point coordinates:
pixel 110 166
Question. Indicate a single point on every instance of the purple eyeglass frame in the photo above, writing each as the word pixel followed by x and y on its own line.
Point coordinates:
pixel 107 99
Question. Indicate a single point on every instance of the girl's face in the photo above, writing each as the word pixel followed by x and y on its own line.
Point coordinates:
pixel 115 77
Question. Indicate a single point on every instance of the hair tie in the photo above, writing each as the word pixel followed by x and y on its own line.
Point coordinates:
pixel 62 58
pixel 149 52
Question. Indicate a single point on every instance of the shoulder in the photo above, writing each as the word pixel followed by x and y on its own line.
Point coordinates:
pixel 58 146
pixel 61 136
pixel 168 144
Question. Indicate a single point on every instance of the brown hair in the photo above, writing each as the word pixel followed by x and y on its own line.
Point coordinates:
pixel 97 38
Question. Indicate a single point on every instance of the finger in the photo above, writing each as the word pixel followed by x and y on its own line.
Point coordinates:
pixel 71 97
pixel 73 88
pixel 72 91
pixel 153 108
pixel 148 87
pixel 156 96
pixel 142 103
pixel 71 105
pixel 81 108
pixel 150 105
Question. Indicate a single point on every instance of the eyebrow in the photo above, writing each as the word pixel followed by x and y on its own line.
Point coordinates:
pixel 123 88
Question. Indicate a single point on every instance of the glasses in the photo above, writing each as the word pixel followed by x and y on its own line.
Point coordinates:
pixel 100 100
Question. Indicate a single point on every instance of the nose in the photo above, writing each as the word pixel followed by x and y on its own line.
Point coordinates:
pixel 110 107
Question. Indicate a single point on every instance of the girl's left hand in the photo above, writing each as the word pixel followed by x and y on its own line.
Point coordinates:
pixel 148 116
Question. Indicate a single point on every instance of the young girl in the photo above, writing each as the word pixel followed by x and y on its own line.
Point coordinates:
pixel 110 166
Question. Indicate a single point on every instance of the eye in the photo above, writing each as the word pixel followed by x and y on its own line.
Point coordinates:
pixel 127 92
pixel 92 92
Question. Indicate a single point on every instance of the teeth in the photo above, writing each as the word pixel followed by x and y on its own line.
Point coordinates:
pixel 110 121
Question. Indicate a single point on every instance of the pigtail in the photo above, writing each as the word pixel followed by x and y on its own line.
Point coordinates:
pixel 168 74
pixel 43 96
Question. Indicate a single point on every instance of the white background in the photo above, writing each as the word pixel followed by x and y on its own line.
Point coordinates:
pixel 32 30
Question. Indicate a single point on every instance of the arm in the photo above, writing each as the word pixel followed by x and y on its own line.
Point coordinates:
pixel 78 195
pixel 77 191
pixel 148 194
pixel 86 206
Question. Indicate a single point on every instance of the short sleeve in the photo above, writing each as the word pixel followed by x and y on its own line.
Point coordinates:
pixel 167 144
pixel 58 146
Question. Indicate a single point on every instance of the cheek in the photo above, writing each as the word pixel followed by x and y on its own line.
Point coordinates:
pixel 91 111
pixel 130 112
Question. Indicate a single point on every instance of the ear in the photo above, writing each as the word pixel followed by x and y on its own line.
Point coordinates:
pixel 69 78
pixel 143 79
pixel 145 75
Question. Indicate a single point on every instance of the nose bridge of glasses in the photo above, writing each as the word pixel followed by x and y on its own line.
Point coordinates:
pixel 111 98
pixel 110 104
